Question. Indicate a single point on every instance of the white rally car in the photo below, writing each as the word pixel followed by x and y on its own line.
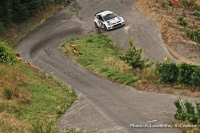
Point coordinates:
pixel 108 20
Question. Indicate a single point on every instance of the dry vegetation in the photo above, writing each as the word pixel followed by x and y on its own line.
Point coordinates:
pixel 173 34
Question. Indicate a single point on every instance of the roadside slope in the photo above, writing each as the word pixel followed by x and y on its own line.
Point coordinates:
pixel 102 104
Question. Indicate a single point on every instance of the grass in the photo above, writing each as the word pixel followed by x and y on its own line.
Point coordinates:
pixel 100 55
pixel 30 99
pixel 29 95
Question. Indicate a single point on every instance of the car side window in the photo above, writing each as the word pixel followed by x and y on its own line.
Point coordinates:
pixel 100 18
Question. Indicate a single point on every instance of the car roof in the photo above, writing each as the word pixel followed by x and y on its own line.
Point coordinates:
pixel 104 13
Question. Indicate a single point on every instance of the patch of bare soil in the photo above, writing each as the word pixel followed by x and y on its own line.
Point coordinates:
pixel 175 39
pixel 173 34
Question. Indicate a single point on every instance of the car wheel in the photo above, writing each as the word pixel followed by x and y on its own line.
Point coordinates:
pixel 95 24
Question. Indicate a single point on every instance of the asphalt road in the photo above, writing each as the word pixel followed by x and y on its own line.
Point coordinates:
pixel 102 105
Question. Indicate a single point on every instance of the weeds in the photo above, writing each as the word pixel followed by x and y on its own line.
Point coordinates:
pixel 8 94
pixel 181 21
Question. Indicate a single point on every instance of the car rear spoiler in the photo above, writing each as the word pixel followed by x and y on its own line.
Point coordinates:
pixel 98 12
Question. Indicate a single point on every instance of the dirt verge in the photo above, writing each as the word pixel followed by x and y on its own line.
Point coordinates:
pixel 173 34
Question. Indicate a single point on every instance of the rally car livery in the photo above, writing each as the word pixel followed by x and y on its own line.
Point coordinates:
pixel 108 20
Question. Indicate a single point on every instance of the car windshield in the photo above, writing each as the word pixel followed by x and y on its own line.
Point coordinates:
pixel 110 16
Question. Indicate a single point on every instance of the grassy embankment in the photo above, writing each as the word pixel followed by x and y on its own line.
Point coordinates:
pixel 30 99
pixel 101 55
pixel 30 96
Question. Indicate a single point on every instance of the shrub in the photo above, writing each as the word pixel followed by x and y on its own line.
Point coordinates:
pixel 191 115
pixel 170 2
pixel 162 3
pixel 196 7
pixel 194 34
pixel 190 33
pixel 181 21
pixel 7 54
pixel 168 72
pixel 196 13
pixel 196 77
pixel 198 108
pixel 179 114
pixel 185 72
pixel 185 3
pixel 133 57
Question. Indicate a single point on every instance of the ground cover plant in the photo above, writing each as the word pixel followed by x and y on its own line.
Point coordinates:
pixel 178 24
pixel 187 114
pixel 29 95
pixel 100 55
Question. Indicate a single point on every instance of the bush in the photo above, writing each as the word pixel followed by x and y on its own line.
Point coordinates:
pixel 7 54
pixel 133 57
pixel 20 13
pixel 185 72
pixel 196 7
pixel 179 114
pixel 196 13
pixel 190 33
pixel 191 115
pixel 162 3
pixel 170 2
pixel 168 72
pixel 194 34
pixel 195 77
pixel 198 108
pixel 181 21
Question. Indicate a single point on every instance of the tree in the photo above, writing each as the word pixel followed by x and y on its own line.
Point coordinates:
pixel 134 58
pixel 5 12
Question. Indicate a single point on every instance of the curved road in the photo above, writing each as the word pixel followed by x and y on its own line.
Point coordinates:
pixel 102 105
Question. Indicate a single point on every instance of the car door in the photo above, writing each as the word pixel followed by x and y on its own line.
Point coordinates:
pixel 100 21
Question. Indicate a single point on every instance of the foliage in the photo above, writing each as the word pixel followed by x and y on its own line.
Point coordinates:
pixel 179 114
pixel 168 71
pixel 196 13
pixel 2 28
pixel 185 72
pixel 194 34
pixel 7 54
pixel 100 55
pixel 198 108
pixel 20 10
pixel 189 114
pixel 162 3
pixel 8 93
pixel 196 7
pixel 181 21
pixel 134 58
pixel 5 13
pixel 170 2
pixel 28 95
pixel 196 77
